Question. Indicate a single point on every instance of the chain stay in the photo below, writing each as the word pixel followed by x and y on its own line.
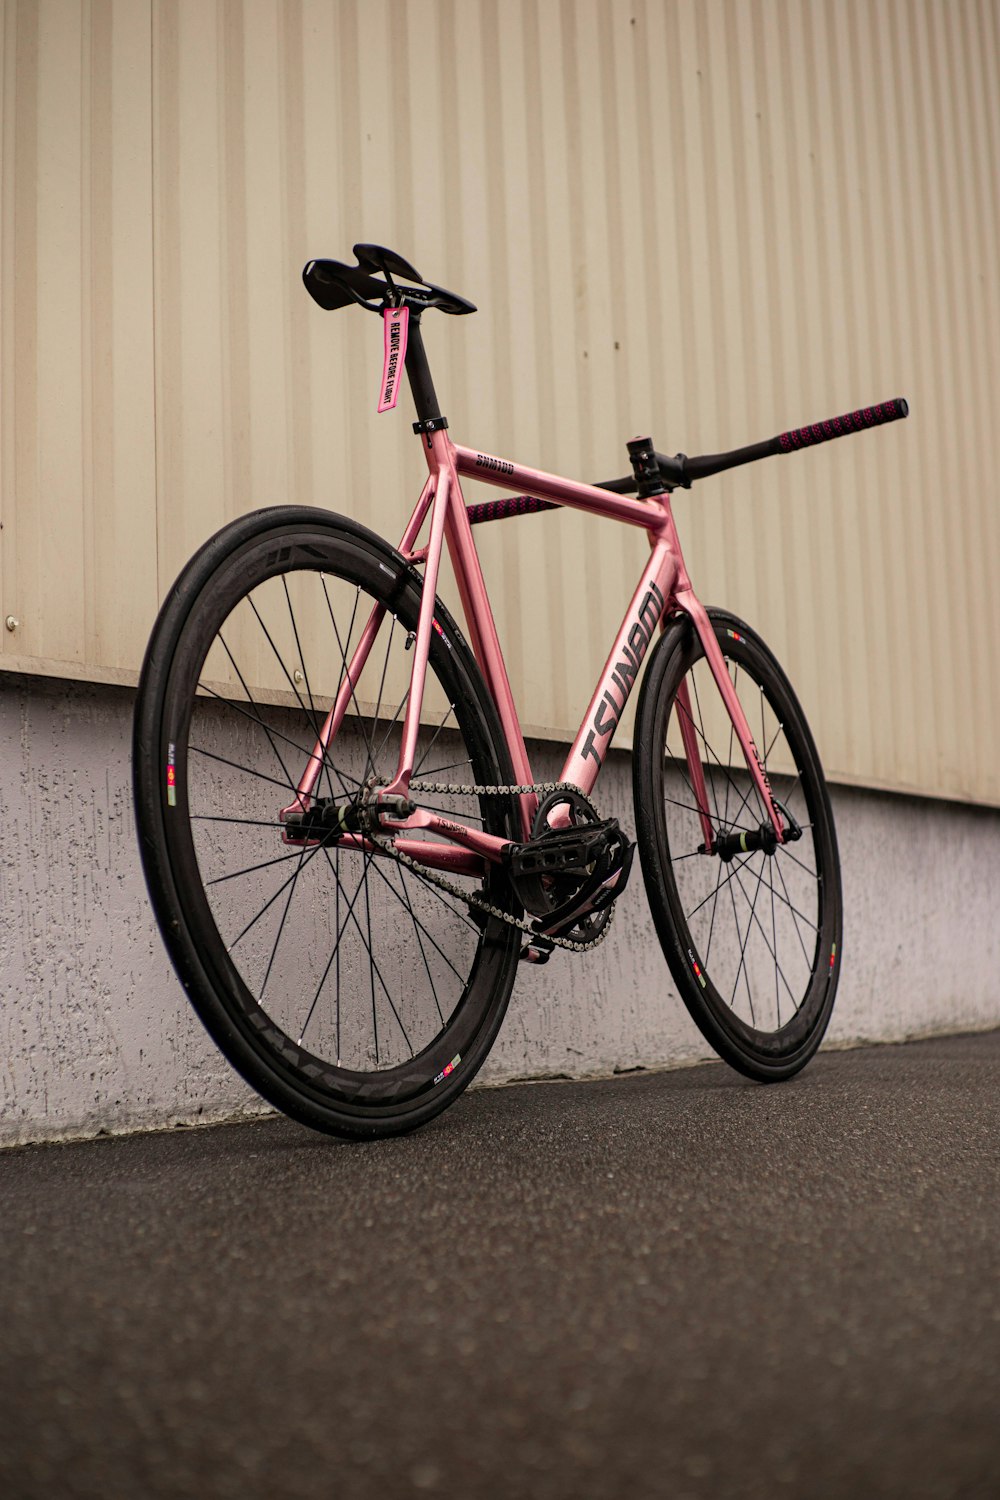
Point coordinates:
pixel 442 788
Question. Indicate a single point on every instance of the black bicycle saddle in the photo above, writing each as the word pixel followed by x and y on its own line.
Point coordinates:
pixel 333 284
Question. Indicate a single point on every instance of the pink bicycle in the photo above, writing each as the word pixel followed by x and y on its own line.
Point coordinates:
pixel 345 846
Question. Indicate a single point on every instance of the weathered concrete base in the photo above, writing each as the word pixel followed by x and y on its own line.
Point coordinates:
pixel 95 1033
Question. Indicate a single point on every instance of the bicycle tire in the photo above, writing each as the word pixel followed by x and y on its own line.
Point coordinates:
pixel 727 957
pixel 221 735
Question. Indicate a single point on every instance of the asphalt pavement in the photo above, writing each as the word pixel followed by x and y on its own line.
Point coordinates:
pixel 666 1284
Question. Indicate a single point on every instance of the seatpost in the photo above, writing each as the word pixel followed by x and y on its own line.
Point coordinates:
pixel 429 418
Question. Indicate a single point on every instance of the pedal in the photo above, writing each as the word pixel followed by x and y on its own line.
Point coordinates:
pixel 597 894
pixel 538 951
pixel 558 851
pixel 555 857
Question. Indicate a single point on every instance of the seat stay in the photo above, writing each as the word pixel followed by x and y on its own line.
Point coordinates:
pixel 306 788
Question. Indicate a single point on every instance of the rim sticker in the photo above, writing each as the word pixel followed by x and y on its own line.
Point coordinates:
pixel 450 1068
pixel 696 966
pixel 171 776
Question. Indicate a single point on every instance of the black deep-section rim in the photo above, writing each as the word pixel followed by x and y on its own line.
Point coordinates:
pixel 289 1075
pixel 759 1053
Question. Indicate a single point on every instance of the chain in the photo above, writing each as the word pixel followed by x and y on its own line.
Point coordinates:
pixel 469 898
pixel 440 787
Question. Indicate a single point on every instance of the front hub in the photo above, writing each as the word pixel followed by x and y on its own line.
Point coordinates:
pixel 748 840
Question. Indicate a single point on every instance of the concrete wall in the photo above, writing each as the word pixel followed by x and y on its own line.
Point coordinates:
pixel 95 1033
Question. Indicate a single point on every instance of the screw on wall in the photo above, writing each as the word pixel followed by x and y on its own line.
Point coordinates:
pixel 11 622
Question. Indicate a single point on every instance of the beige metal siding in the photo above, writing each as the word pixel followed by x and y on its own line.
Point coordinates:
pixel 77 549
pixel 706 219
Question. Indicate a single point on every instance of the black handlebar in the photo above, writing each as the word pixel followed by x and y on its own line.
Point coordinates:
pixel 679 471
pixel 791 442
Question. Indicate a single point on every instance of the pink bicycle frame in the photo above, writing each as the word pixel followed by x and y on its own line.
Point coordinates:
pixel 663 588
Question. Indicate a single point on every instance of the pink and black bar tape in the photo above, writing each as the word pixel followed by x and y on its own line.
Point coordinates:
pixel 852 421
pixel 691 469
pixel 511 505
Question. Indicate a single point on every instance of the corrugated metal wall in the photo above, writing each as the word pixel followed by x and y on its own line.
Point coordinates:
pixel 710 221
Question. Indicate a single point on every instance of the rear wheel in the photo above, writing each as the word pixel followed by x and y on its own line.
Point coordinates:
pixel 347 988
pixel 752 934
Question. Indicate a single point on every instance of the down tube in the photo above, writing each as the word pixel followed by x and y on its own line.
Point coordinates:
pixel 650 603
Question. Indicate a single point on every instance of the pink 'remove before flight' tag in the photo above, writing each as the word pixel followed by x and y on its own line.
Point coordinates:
pixel 396 322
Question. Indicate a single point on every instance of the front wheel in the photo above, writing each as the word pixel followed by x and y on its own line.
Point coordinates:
pixel 752 935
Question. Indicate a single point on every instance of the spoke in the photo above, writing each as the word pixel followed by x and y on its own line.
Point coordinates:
pixel 418 928
pixel 381 689
pixel 695 909
pixel 777 965
pixel 429 935
pixel 692 807
pixel 315 1001
pixel 715 903
pixel 372 960
pixel 743 949
pixel 371 952
pixel 252 700
pixel 794 788
pixel 336 919
pixel 346 668
pixel 742 942
pixel 423 955
pixel 417 770
pixel 243 822
pixel 726 772
pixel 334 951
pixel 774 937
pixel 392 722
pixel 455 765
pixel 316 728
pixel 279 859
pixel 286 786
pixel 308 856
pixel 456 910
pixel 281 928
pixel 795 914
pixel 305 669
pixel 813 874
pixel 701 731
pixel 799 915
pixel 727 769
pixel 343 655
pixel 272 733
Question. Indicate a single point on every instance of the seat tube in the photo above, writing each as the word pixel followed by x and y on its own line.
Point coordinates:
pixel 421 649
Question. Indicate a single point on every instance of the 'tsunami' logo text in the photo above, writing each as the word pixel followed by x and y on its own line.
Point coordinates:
pixel 609 711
